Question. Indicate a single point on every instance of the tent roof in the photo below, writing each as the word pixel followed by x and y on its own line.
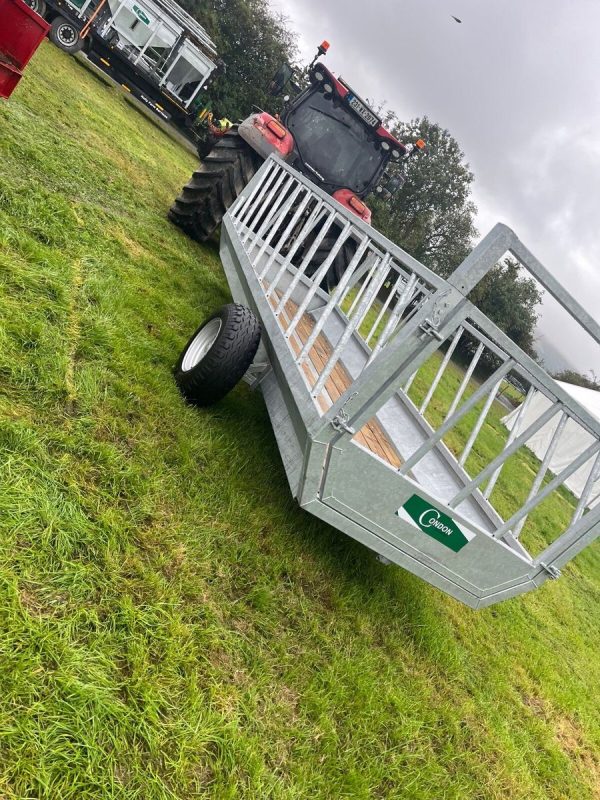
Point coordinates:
pixel 588 398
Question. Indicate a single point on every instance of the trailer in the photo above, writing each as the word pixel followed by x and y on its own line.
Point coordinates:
pixel 153 48
pixel 21 33
pixel 336 371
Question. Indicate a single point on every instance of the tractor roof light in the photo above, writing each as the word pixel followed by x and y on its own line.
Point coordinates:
pixel 395 154
pixel 385 145
pixel 420 144
pixel 319 76
pixel 327 88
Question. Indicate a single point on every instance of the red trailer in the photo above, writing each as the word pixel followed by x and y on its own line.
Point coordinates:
pixel 21 32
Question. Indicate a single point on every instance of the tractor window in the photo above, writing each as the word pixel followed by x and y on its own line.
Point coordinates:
pixel 333 141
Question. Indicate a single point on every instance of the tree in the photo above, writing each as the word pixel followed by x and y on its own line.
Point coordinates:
pixel 570 376
pixel 432 216
pixel 510 299
pixel 253 42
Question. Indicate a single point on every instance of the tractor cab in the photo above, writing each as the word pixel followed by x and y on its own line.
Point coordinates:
pixel 339 142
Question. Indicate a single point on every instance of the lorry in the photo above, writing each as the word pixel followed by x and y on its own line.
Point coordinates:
pixel 153 48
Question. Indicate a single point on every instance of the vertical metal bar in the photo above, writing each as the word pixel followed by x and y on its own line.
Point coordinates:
pixel 384 307
pixel 324 316
pixel 436 436
pixel 276 223
pixel 541 473
pixel 272 204
pixel 318 211
pixel 394 316
pixel 243 215
pixel 511 437
pixel 304 264
pixel 500 460
pixel 264 202
pixel 350 328
pixel 587 490
pixel 549 488
pixel 284 236
pixel 242 204
pixel 466 379
pixel 153 31
pixel 409 382
pixel 482 417
pixel 363 287
pixel 442 369
pixel 378 283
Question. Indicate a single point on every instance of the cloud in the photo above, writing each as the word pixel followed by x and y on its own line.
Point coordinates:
pixel 517 84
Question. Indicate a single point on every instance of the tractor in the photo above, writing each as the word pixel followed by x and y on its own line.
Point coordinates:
pixel 326 132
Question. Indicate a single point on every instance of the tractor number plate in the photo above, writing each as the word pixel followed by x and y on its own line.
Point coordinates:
pixel 362 111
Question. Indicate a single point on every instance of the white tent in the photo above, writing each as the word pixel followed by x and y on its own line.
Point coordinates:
pixel 573 441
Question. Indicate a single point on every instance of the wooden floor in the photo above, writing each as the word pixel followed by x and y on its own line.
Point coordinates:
pixel 371 436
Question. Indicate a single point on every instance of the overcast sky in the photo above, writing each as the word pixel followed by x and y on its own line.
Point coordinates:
pixel 518 85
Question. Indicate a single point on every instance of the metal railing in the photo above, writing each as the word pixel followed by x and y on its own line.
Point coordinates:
pixel 385 318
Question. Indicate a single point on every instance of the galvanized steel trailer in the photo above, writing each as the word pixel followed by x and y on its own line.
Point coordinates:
pixel 336 373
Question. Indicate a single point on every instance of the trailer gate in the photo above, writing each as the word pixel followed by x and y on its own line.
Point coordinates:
pixel 405 478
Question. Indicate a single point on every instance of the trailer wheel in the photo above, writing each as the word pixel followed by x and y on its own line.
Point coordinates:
pixel 218 354
pixel 222 176
pixel 39 6
pixel 64 34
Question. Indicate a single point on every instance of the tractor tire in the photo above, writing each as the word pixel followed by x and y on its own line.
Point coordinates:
pixel 39 6
pixel 222 176
pixel 65 35
pixel 339 264
pixel 218 354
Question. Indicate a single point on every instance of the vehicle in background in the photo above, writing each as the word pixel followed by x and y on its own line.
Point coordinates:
pixel 153 48
pixel 326 132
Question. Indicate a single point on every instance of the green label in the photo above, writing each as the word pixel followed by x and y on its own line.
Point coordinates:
pixel 436 524
pixel 141 15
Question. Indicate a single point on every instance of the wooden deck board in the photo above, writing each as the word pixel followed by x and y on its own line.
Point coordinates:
pixel 371 436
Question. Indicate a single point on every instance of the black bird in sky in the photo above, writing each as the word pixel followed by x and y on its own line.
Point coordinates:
pixel 456 19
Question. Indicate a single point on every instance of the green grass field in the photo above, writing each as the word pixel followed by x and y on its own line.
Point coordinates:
pixel 171 624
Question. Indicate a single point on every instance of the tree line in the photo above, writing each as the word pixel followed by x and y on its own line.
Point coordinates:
pixel 432 217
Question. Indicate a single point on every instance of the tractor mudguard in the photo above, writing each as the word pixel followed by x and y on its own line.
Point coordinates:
pixel 266 135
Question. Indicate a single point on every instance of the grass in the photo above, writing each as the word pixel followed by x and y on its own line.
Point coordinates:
pixel 171 624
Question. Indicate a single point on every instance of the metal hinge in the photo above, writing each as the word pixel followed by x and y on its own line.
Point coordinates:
pixel 340 421
pixel 429 327
pixel 553 571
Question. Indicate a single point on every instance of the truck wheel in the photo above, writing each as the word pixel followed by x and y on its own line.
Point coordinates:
pixel 218 354
pixel 65 35
pixel 222 176
pixel 39 6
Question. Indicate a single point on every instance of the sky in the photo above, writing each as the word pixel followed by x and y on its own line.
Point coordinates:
pixel 517 83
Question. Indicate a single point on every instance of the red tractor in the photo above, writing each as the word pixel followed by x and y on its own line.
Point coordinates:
pixel 327 132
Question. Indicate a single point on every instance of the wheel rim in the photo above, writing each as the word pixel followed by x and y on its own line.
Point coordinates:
pixel 201 344
pixel 66 35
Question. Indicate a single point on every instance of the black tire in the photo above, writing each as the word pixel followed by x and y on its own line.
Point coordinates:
pixel 39 6
pixel 222 176
pixel 206 377
pixel 340 262
pixel 65 34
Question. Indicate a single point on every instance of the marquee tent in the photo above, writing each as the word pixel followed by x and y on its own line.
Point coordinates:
pixel 573 441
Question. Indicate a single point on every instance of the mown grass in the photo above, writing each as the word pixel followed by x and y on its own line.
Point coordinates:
pixel 171 624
